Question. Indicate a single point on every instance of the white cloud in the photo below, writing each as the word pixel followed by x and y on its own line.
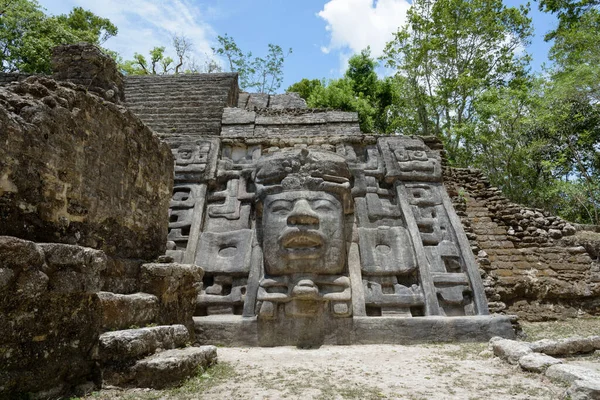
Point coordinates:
pixel 144 24
pixel 356 24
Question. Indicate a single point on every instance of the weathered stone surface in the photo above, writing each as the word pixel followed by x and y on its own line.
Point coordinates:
pixel 237 116
pixel 78 170
pixel 45 342
pixel 184 105
pixel 86 65
pixel 172 366
pixel 536 362
pixel 133 344
pixel 73 268
pixel 18 254
pixel 287 100
pixel 233 330
pixel 510 350
pixel 120 311
pixel 532 267
pixel 564 347
pixel 8 77
pixel 176 286
pixel 584 390
pixel 122 275
pixel 570 373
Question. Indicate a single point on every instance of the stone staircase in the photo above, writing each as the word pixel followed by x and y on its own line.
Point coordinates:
pixel 136 350
pixel 182 105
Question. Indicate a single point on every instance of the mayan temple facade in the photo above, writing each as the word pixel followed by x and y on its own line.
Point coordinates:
pixel 308 230
pixel 147 219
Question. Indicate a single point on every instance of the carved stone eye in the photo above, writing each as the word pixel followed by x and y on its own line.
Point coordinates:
pixel 322 205
pixel 418 155
pixel 281 206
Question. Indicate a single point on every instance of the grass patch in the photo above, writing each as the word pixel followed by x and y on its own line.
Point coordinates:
pixel 204 380
pixel 561 329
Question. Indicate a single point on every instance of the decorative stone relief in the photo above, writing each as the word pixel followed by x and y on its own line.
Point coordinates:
pixel 195 161
pixel 408 159
pixel 298 232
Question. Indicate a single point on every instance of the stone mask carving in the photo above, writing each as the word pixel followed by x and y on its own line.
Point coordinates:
pixel 303 232
pixel 303 199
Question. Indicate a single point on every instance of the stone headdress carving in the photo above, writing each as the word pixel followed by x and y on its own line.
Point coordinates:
pixel 304 169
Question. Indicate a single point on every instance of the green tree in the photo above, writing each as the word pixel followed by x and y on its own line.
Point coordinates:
pixel 568 12
pixel 140 66
pixel 27 34
pixel 359 90
pixel 305 87
pixel 263 75
pixel 568 119
pixel 449 53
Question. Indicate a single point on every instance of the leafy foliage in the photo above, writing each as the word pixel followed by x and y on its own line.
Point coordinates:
pixel 160 63
pixel 450 52
pixel 27 34
pixel 262 75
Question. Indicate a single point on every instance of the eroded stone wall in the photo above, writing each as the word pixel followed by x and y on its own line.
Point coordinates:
pixel 50 317
pixel 535 265
pixel 8 77
pixel 77 169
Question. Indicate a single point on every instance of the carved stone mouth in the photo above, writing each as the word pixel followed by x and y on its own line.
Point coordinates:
pixel 302 241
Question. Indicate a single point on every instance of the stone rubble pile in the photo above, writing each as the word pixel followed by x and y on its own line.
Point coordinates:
pixel 533 265
pixel 542 357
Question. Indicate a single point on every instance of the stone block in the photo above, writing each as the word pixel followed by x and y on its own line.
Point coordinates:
pixel 225 252
pixel 177 287
pixel 73 268
pixel 120 311
pixel 82 171
pixel 133 344
pixel 510 350
pixel 87 65
pixel 46 341
pixel 584 390
pixel 172 366
pixel 535 362
pixel 564 347
pixel 567 373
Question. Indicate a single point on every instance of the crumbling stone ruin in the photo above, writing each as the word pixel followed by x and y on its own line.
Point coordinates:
pixel 145 214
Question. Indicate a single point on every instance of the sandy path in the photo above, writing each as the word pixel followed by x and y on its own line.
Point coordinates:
pixel 426 372
pixel 376 371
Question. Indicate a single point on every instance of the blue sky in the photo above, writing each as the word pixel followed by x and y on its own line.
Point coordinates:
pixel 323 34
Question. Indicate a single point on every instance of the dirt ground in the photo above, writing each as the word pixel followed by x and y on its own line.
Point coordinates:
pixel 456 371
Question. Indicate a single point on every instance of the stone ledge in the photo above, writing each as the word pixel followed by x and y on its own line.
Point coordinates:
pixel 234 330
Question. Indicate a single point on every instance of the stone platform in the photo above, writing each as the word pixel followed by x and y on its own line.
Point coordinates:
pixel 234 330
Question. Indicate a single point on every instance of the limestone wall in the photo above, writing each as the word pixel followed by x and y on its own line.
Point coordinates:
pixel 77 169
pixel 86 65
pixel 535 265
pixel 177 107
pixel 6 78
pixel 50 317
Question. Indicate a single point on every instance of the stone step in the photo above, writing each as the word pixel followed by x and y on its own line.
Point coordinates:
pixel 121 311
pixel 192 135
pixel 187 108
pixel 163 369
pixel 217 77
pixel 133 344
pixel 170 98
pixel 189 85
pixel 189 118
pixel 182 128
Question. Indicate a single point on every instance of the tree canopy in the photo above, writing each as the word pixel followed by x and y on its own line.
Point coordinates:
pixel 461 72
pixel 256 74
pixel 27 34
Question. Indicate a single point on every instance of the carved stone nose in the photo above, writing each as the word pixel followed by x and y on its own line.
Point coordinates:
pixel 302 214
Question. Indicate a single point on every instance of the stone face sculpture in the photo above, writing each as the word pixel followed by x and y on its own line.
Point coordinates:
pixel 303 198
pixel 309 239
